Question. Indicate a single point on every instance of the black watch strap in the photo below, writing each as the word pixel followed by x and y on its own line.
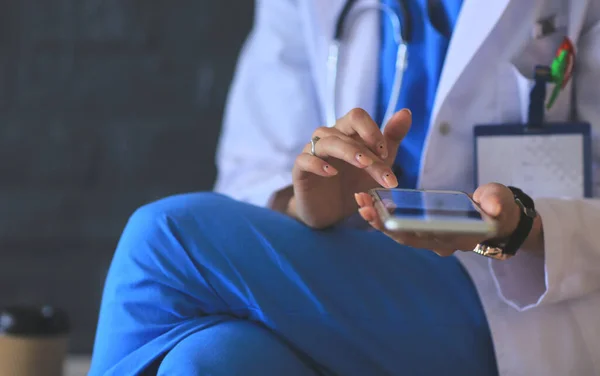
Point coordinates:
pixel 513 243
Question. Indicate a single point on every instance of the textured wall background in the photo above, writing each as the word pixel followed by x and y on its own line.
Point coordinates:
pixel 104 105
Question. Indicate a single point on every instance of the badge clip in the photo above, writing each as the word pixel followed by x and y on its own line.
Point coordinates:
pixel 537 96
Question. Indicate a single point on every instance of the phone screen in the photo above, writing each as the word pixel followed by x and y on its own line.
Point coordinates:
pixel 429 204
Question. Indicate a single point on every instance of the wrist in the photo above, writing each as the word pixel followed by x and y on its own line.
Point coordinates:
pixel 291 207
pixel 534 244
pixel 524 231
pixel 281 200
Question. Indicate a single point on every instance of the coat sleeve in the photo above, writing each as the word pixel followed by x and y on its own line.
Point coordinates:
pixel 571 265
pixel 271 109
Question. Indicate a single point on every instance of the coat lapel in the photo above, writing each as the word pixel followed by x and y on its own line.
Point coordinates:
pixel 359 54
pixel 476 21
pixel 320 17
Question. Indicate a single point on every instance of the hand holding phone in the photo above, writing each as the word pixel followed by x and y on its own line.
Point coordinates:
pixel 442 221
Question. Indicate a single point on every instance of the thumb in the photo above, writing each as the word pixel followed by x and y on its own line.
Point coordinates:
pixel 396 129
pixel 498 201
pixel 493 198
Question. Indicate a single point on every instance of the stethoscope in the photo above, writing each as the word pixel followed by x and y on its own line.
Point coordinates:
pixel 402 35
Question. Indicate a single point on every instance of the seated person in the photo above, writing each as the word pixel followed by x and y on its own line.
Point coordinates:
pixel 269 275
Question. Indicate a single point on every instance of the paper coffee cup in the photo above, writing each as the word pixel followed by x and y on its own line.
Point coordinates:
pixel 33 341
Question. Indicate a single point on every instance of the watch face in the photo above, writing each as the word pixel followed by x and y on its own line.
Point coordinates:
pixel 491 252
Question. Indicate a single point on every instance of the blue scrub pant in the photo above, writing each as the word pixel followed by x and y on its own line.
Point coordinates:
pixel 201 284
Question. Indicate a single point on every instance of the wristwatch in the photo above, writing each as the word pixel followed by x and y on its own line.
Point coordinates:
pixel 503 249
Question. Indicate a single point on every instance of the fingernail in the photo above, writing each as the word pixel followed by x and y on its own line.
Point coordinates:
pixel 409 112
pixel 382 150
pixel 390 180
pixel 363 159
pixel 330 170
pixel 359 199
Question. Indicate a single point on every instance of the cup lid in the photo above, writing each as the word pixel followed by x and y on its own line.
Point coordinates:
pixel 33 321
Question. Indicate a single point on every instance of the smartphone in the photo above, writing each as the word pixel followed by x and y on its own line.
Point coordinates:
pixel 434 211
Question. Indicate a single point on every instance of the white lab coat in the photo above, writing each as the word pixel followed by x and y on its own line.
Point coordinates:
pixel 545 318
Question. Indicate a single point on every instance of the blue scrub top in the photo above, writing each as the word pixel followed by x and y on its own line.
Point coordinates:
pixel 426 54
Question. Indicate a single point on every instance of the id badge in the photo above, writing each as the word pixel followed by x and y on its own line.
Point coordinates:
pixel 552 160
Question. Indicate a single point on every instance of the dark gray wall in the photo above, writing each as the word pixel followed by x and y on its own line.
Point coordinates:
pixel 104 106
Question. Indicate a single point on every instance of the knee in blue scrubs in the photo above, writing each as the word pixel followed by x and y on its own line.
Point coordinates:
pixel 189 268
pixel 234 348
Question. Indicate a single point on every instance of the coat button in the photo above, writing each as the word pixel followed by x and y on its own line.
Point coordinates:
pixel 444 129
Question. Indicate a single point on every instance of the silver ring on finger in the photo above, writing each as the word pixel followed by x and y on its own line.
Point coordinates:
pixel 313 144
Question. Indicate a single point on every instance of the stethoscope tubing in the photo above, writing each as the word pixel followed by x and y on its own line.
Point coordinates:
pixel 402 36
